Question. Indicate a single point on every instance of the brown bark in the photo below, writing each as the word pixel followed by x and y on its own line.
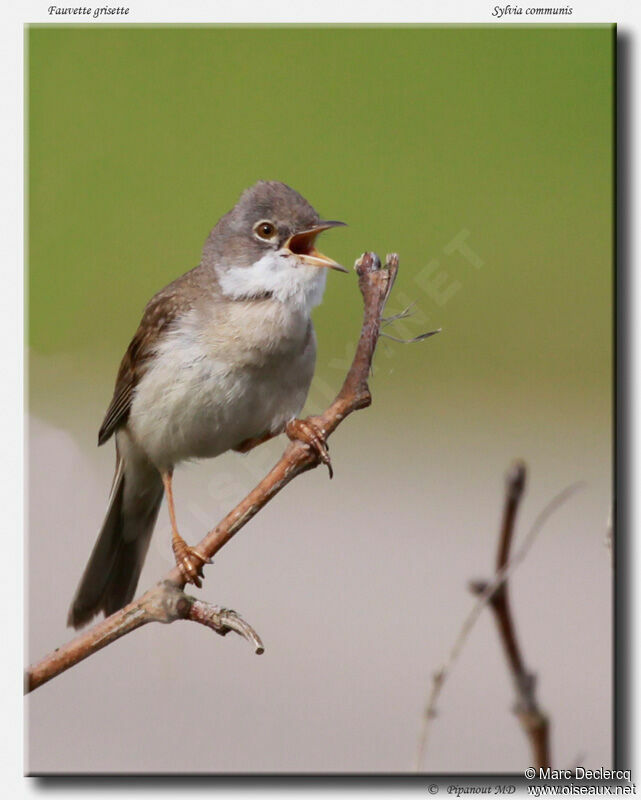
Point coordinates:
pixel 533 721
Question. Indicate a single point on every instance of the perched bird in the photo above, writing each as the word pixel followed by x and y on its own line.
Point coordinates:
pixel 222 360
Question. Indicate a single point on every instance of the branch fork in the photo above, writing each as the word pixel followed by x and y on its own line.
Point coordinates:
pixel 494 594
pixel 533 721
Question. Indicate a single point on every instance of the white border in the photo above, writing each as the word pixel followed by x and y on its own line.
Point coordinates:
pixel 376 11
pixel 626 14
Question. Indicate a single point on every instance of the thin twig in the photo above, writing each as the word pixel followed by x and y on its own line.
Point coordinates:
pixel 533 721
pixel 167 602
pixel 420 338
pixel 485 592
pixel 406 313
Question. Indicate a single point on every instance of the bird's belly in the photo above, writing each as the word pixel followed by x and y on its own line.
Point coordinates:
pixel 200 407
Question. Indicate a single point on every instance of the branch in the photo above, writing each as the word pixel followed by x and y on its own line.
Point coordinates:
pixel 486 591
pixel 166 601
pixel 533 721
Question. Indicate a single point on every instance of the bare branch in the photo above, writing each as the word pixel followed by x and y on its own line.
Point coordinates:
pixel 420 338
pixel 533 721
pixel 486 590
pixel 166 602
pixel 224 620
pixel 406 313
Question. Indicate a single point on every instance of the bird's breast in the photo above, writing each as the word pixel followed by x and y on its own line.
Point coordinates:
pixel 215 383
pixel 255 332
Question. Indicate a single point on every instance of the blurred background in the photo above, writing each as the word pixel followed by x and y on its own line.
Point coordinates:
pixel 484 157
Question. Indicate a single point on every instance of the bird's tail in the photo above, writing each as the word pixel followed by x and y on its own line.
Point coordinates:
pixel 111 575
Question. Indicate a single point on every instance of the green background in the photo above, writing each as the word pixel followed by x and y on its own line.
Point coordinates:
pixel 140 138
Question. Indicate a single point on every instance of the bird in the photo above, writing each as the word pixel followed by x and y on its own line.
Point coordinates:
pixel 222 360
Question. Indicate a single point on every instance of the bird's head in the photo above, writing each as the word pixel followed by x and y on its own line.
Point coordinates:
pixel 267 245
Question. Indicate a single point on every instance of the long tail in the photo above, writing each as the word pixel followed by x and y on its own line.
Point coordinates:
pixel 111 575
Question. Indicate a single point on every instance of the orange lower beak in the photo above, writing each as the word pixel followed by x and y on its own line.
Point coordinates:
pixel 302 245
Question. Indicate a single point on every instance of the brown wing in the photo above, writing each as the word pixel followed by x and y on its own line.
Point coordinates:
pixel 131 370
pixel 159 314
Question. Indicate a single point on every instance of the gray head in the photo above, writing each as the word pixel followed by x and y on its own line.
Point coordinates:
pixel 269 217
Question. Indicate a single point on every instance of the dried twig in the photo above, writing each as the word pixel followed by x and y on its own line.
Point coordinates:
pixel 167 602
pixel 406 313
pixel 223 620
pixel 420 338
pixel 533 721
pixel 486 591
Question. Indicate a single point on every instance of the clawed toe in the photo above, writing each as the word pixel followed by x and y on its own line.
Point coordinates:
pixel 304 430
pixel 190 562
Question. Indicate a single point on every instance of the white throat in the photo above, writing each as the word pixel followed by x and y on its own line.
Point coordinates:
pixel 284 277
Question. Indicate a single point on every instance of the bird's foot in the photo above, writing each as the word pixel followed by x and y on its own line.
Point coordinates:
pixel 304 430
pixel 189 561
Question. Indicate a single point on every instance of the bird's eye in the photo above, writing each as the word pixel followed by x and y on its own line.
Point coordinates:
pixel 265 230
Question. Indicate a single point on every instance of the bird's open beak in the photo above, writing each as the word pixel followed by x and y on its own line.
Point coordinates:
pixel 302 245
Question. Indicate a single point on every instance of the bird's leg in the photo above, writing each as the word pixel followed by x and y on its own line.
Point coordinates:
pixel 188 560
pixel 249 444
pixel 304 430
